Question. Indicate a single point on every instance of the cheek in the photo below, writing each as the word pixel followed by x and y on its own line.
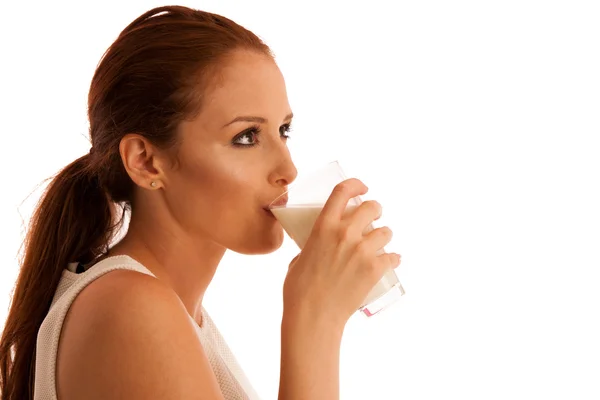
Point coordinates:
pixel 223 201
pixel 213 195
pixel 215 181
pixel 215 173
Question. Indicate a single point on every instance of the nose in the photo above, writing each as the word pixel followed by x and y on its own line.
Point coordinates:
pixel 284 171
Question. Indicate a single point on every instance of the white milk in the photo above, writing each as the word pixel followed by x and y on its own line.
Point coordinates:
pixel 298 222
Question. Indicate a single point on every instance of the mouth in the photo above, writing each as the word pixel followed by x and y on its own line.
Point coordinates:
pixel 279 202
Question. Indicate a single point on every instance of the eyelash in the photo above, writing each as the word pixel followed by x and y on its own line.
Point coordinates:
pixel 255 130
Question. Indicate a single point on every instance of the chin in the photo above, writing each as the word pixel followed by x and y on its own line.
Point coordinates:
pixel 261 243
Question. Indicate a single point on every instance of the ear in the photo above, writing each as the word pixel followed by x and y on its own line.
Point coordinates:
pixel 142 161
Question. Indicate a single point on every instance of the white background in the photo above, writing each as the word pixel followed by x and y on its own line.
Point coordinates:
pixel 475 123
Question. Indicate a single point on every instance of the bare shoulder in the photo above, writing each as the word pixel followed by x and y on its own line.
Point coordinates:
pixel 127 335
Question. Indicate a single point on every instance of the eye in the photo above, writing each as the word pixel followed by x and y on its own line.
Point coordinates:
pixel 248 138
pixel 284 130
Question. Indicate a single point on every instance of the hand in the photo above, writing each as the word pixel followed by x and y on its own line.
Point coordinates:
pixel 339 264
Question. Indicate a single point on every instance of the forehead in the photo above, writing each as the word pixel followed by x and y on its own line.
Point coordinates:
pixel 246 83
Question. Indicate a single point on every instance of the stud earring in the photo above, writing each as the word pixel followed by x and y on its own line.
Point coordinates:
pixel 153 184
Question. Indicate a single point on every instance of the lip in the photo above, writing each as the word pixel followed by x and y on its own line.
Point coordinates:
pixel 280 201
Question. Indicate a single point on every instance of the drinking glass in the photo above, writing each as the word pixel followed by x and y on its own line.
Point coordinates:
pixel 305 200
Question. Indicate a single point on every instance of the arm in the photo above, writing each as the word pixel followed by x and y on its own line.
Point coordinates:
pixel 326 283
pixel 310 357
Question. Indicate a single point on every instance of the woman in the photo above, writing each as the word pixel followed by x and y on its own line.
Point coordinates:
pixel 188 119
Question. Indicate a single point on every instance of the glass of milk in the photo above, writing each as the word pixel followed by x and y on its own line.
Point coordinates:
pixel 305 200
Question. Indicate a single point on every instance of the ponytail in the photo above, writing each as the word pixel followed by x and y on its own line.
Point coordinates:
pixel 73 221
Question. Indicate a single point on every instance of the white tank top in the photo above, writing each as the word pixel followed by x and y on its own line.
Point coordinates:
pixel 232 380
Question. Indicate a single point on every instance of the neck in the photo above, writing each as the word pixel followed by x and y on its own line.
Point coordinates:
pixel 186 264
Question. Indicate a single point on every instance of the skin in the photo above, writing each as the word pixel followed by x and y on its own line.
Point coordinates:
pixel 128 335
pixel 194 229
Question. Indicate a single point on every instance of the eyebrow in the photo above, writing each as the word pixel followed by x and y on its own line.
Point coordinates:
pixel 260 120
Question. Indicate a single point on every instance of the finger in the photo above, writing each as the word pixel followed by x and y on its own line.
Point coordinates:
pixel 387 261
pixel 364 215
pixel 377 239
pixel 340 196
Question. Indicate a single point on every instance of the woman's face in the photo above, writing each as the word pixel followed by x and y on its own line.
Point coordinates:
pixel 233 159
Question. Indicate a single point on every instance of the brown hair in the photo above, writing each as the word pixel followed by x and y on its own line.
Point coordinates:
pixel 149 80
